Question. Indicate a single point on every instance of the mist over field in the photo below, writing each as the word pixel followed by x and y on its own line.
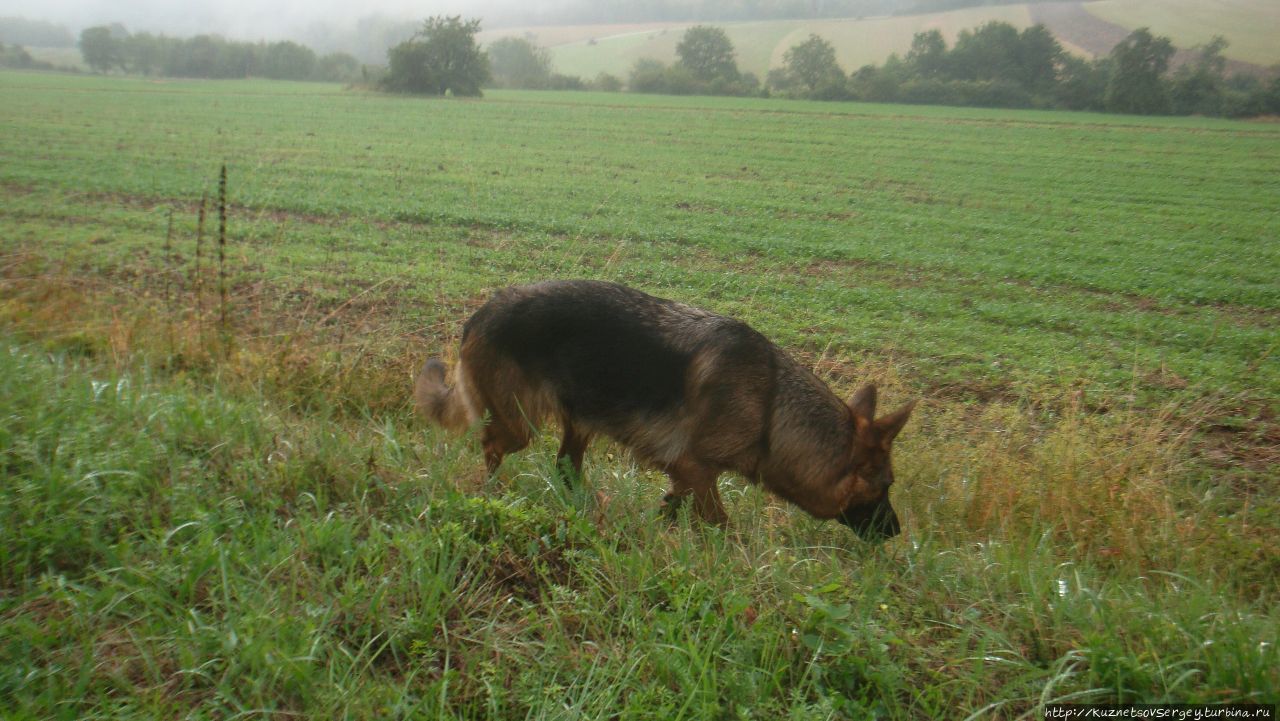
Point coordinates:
pixel 246 19
pixel 234 18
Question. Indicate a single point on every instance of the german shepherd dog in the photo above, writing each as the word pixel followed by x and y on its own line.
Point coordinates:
pixel 689 391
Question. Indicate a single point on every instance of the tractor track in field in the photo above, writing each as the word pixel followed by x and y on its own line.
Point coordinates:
pixel 479 233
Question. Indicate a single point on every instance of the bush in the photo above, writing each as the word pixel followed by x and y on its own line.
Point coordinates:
pixel 652 76
pixel 835 88
pixel 927 91
pixel 16 56
pixel 518 63
pixel 607 83
pixel 558 81
pixel 874 84
pixel 1238 104
pixel 994 94
pixel 338 67
pixel 647 76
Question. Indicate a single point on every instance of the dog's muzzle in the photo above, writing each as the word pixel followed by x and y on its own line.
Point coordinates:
pixel 872 521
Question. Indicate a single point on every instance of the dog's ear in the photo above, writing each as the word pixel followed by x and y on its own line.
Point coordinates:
pixel 887 427
pixel 863 405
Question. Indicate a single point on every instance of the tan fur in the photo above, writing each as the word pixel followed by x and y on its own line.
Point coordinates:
pixel 446 405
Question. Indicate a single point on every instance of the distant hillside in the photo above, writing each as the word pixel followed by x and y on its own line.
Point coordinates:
pixel 588 50
pixel 1093 28
pixel 1085 28
pixel 1252 26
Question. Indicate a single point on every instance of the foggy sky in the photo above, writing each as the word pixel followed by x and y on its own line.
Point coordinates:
pixel 247 19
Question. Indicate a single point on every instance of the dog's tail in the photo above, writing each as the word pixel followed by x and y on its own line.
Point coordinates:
pixel 438 402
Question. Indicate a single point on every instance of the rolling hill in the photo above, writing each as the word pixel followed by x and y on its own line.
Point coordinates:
pixel 1084 28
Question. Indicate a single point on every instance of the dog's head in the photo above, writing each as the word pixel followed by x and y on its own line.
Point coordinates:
pixel 870 514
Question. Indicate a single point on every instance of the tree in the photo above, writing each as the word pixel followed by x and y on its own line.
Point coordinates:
pixel 1082 84
pixel 235 60
pixel 811 67
pixel 16 56
pixel 879 84
pixel 518 63
pixel 442 57
pixel 1198 87
pixel 928 54
pixel 196 57
pixel 1271 97
pixel 338 66
pixel 1137 83
pixel 1039 56
pixel 707 54
pixel 988 53
pixel 647 76
pixel 144 53
pixel 101 49
pixel 287 60
pixel 607 83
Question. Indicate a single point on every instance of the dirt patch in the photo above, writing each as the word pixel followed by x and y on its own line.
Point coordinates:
pixel 12 188
pixel 1242 440
pixel 847 271
pixel 705 208
pixel 1071 23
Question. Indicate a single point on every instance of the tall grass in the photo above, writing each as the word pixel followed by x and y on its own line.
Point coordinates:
pixel 269 533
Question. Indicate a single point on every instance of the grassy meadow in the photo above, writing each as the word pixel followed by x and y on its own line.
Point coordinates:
pixel 222 508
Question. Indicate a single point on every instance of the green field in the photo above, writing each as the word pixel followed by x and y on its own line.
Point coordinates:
pixel 233 519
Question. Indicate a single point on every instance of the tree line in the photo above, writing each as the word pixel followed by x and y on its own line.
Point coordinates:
pixel 443 58
pixel 997 65
pixel 37 33
pixel 994 65
pixel 112 47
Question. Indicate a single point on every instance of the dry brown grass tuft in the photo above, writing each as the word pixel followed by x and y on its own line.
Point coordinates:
pixel 307 356
pixel 1119 487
